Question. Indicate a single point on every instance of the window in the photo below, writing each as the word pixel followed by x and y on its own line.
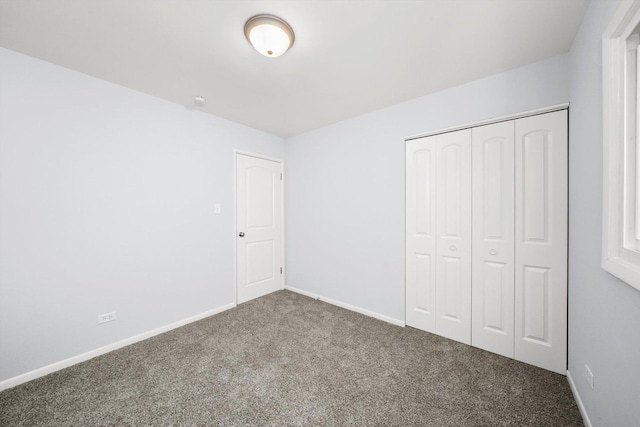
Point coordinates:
pixel 621 138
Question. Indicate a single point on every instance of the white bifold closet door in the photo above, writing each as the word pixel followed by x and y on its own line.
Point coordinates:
pixel 487 262
pixel 439 234
pixel 541 154
pixel 493 237
pixel 519 283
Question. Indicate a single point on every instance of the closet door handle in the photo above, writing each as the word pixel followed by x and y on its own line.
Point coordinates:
pixel 493 252
pixel 241 234
pixel 453 248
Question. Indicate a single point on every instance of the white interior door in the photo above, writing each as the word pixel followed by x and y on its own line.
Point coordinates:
pixel 453 235
pixel 420 234
pixel 541 240
pixel 259 226
pixel 493 238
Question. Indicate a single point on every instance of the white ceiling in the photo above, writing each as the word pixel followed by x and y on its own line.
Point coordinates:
pixel 350 57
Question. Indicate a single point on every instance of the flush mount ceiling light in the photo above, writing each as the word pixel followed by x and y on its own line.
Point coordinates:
pixel 270 35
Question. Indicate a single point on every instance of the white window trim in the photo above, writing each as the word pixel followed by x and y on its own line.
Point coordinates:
pixel 616 259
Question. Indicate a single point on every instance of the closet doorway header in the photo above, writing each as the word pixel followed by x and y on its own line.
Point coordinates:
pixel 536 112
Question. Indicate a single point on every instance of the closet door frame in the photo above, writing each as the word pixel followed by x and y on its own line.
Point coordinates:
pixel 560 307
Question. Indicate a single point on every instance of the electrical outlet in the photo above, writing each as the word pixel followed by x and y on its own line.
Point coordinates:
pixel 588 375
pixel 107 317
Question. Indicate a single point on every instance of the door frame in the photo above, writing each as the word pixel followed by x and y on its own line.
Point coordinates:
pixel 516 116
pixel 235 216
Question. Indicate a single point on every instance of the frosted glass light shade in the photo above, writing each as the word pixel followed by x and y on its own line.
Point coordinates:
pixel 269 35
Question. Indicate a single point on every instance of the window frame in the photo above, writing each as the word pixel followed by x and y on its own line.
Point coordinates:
pixel 621 140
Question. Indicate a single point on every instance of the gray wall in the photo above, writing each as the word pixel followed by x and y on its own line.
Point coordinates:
pixel 604 313
pixel 106 204
pixel 345 184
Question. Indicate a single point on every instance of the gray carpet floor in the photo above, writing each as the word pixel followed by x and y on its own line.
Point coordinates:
pixel 285 359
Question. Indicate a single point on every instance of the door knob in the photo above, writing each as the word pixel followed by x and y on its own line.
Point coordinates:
pixel 493 252
pixel 453 248
pixel 241 234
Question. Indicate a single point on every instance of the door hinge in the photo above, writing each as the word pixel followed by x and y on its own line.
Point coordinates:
pixel 280 270
pixel 280 177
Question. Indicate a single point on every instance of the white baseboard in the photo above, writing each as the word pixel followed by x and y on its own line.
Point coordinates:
pixel 583 411
pixel 348 306
pixel 40 372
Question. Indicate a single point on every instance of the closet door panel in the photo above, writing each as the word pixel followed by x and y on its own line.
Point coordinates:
pixel 420 234
pixel 453 230
pixel 541 241
pixel 493 238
